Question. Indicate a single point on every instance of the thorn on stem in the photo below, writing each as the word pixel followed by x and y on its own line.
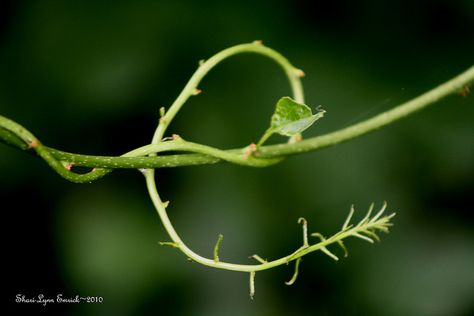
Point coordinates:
pixel 162 111
pixel 196 91
pixel 464 92
pixel 34 144
pixel 201 62
pixel 249 150
pixel 169 243
pixel 166 203
pixel 258 258
pixel 295 138
pixel 299 73
pixel 258 42
pixel 172 137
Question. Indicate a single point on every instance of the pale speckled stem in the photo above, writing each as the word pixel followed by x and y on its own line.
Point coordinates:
pixel 146 157
pixel 17 136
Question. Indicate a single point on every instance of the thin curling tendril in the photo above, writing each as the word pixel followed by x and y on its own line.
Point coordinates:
pixel 146 158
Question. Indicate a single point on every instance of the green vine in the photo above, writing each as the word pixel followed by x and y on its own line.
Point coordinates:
pixel 291 118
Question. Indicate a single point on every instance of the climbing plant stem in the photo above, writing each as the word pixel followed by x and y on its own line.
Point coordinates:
pixel 189 90
pixel 380 223
pixel 191 87
pixel 452 86
pixel 15 135
pixel 146 158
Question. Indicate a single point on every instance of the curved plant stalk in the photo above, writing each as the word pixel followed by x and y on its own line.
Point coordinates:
pixel 13 134
pixel 293 76
pixel 145 158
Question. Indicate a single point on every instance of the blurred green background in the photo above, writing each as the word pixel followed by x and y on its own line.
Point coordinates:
pixel 90 76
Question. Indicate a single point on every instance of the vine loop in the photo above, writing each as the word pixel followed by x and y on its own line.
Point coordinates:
pixel 146 158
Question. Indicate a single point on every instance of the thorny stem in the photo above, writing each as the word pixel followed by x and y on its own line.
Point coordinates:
pixel 380 224
pixel 216 263
pixel 293 75
pixel 17 136
pixel 146 157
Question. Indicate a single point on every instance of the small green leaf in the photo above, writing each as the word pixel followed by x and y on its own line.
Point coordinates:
pixel 291 118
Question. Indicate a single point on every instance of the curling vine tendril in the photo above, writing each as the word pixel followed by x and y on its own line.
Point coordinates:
pixel 291 118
